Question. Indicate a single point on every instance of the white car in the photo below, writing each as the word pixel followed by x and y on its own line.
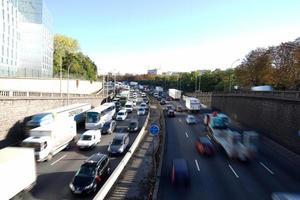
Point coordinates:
pixel 141 111
pixel 144 105
pixel 129 106
pixel 122 114
pixel 89 139
pixel 143 94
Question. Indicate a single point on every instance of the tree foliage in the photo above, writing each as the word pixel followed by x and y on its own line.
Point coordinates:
pixel 67 55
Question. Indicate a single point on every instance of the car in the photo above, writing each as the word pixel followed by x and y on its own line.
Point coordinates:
pixel 190 119
pixel 144 105
pixel 129 106
pixel 119 144
pixel 122 115
pixel 159 98
pixel 155 94
pixel 90 174
pixel 179 108
pixel 143 94
pixel 171 113
pixel 170 107
pixel 133 125
pixel 146 100
pixel 108 127
pixel 89 139
pixel 141 111
pixel 204 146
pixel 162 102
pixel 180 174
pixel 168 98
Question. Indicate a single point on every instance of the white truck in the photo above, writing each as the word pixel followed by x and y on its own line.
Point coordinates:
pixel 192 104
pixel 174 94
pixel 14 182
pixel 50 139
pixel 237 145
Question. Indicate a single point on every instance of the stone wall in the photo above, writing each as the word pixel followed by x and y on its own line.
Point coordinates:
pixel 15 112
pixel 276 117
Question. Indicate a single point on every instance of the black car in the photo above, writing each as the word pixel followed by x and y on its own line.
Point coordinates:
pixel 171 113
pixel 162 102
pixel 133 126
pixel 91 173
pixel 108 127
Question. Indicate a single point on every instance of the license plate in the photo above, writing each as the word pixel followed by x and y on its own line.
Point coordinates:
pixel 77 192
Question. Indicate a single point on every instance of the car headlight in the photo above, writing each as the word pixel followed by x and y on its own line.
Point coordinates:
pixel 71 186
pixel 89 186
pixel 120 150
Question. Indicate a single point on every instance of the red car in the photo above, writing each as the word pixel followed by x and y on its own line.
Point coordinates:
pixel 204 146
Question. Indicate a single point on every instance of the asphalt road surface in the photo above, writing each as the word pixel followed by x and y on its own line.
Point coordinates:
pixel 54 176
pixel 218 177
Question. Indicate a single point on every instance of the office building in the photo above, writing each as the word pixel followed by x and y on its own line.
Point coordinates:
pixel 27 39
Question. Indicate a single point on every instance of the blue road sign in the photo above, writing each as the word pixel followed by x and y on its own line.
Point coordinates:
pixel 154 130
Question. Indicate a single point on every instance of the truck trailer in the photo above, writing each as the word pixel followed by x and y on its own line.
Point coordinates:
pixel 192 104
pixel 17 171
pixel 50 139
pixel 174 94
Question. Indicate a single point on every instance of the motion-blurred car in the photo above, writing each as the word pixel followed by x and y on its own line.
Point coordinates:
pixel 122 114
pixel 144 105
pixel 89 139
pixel 133 125
pixel 162 102
pixel 141 111
pixel 119 144
pixel 91 173
pixel 190 119
pixel 179 108
pixel 180 174
pixel 108 127
pixel 168 98
pixel 171 113
pixel 204 146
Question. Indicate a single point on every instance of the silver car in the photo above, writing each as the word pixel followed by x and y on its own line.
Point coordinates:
pixel 119 144
pixel 190 119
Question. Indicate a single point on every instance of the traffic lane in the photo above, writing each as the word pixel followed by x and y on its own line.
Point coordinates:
pixel 66 163
pixel 205 182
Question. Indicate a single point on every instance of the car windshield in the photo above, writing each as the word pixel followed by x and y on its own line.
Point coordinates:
pixel 128 106
pixel 141 109
pixel 38 117
pixel 86 171
pixel 86 137
pixel 121 113
pixel 117 142
pixel 133 124
pixel 92 117
pixel 106 125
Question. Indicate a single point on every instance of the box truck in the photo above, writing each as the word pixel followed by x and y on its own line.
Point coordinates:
pixel 50 139
pixel 17 171
pixel 192 104
pixel 174 94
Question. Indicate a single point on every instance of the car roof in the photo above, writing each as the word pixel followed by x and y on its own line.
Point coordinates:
pixel 95 158
pixel 120 136
pixel 90 132
pixel 122 110
pixel 191 116
pixel 180 164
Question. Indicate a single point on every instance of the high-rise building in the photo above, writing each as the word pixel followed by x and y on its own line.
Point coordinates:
pixel 8 37
pixel 36 39
pixel 26 39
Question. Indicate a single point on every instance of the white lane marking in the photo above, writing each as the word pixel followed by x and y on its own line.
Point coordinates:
pixel 180 120
pixel 186 135
pixel 58 160
pixel 197 165
pixel 262 164
pixel 233 171
pixel 208 137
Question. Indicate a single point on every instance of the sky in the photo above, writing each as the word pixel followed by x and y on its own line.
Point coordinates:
pixel 132 36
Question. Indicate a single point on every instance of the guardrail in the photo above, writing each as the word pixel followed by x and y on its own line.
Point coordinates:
pixel 116 173
pixel 270 94
pixel 9 94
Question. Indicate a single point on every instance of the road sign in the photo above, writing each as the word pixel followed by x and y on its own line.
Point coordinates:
pixel 154 129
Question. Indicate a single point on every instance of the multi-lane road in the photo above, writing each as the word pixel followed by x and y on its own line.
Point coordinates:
pixel 54 176
pixel 218 177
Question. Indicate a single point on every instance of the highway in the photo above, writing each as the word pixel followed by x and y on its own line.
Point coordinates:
pixel 54 176
pixel 218 177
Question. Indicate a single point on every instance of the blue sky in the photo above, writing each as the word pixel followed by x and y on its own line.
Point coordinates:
pixel 174 35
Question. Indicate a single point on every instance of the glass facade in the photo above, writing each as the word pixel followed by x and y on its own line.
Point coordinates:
pixel 28 39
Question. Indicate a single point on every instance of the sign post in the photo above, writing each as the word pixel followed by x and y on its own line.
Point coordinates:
pixel 154 131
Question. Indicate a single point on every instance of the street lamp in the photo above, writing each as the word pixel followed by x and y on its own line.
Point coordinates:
pixel 68 84
pixel 230 77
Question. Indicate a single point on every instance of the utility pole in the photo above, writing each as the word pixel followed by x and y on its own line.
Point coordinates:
pixel 199 83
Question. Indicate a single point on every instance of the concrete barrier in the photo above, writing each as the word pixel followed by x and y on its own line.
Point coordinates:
pixel 116 173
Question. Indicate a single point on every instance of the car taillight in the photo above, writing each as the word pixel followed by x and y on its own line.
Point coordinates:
pixel 98 178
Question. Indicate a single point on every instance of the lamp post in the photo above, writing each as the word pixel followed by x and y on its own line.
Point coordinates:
pixel 230 77
pixel 68 84
pixel 60 77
